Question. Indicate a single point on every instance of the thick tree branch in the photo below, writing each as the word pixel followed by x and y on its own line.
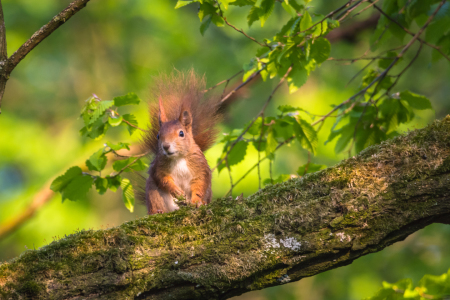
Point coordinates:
pixel 282 233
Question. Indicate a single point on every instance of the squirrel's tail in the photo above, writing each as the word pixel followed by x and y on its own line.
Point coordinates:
pixel 187 90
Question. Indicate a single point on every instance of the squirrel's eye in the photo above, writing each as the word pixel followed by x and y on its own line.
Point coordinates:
pixel 181 133
pixel 157 136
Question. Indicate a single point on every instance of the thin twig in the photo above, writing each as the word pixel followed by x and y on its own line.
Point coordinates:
pixel 45 31
pixel 382 75
pixel 242 31
pixel 240 86
pixel 239 30
pixel 409 32
pixel 260 161
pixel 254 119
pixel 344 14
pixel 329 15
pixel 365 8
pixel 307 164
pixel 126 167
pixel 231 177
pixel 223 81
pixel 259 150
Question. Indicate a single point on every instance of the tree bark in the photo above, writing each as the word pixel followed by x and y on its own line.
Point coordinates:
pixel 280 234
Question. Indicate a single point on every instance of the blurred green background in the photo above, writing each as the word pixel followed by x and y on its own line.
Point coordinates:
pixel 113 47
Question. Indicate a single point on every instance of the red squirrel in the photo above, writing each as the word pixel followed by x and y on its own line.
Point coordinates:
pixel 182 128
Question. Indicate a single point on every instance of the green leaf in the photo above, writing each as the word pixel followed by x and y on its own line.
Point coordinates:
pixel 101 185
pixel 320 50
pixel 138 165
pixel 265 10
pixel 127 194
pixel 296 78
pixel 396 30
pixel 243 2
pixel 100 111
pixel 252 16
pixel 96 111
pixel 311 168
pixel 130 118
pixel 283 127
pixel 206 9
pixel 272 143
pixel 97 161
pixel 288 108
pixel 115 121
pixel 225 3
pixel 289 9
pixel 345 133
pixel 217 20
pixel 119 146
pixel 237 154
pixel 182 3
pixel 205 25
pixel 77 188
pixel 321 28
pixel 113 182
pixel 440 25
pixel 386 62
pixel 306 135
pixel 368 136
pixel 97 131
pixel 296 6
pixel 379 37
pixel 416 101
pixel 306 21
pixel 444 45
pixel 128 99
pixel 255 129
pixel 62 181
pixel 417 7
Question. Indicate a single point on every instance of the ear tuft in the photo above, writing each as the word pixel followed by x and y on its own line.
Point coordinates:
pixel 162 114
pixel 185 118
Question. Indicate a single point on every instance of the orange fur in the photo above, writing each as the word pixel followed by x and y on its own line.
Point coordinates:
pixel 179 167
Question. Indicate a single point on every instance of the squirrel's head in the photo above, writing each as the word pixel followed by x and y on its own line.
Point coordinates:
pixel 175 136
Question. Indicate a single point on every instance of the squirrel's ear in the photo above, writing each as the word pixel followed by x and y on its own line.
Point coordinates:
pixel 185 118
pixel 162 113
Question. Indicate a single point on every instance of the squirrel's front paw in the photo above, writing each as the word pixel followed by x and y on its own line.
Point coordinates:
pixel 196 200
pixel 179 194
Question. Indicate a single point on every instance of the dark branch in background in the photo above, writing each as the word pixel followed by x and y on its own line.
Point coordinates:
pixel 349 33
pixel 8 64
pixel 283 233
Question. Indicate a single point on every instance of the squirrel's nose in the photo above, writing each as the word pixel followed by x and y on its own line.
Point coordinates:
pixel 166 146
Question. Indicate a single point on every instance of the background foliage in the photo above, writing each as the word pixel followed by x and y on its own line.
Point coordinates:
pixel 112 48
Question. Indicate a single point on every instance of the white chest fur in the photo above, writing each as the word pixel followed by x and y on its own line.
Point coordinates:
pixel 182 176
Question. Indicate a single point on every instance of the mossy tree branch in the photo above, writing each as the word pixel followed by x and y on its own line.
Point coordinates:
pixel 282 233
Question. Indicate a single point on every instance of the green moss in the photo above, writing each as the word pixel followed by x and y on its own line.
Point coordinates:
pixel 31 288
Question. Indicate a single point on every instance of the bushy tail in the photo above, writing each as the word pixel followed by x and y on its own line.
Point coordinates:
pixel 184 89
